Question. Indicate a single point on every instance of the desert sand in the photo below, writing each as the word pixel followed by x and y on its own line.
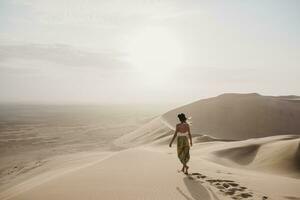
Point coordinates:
pixel 245 147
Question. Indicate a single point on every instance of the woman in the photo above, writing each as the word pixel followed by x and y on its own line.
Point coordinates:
pixel 183 147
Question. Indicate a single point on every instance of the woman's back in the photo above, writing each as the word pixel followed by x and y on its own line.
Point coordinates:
pixel 182 127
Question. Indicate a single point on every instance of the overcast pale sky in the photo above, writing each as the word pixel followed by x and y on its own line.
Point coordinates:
pixel 167 51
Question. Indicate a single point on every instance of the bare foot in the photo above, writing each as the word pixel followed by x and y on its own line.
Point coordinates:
pixel 181 170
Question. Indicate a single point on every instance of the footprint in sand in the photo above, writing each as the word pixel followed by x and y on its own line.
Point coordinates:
pixel 221 172
pixel 228 187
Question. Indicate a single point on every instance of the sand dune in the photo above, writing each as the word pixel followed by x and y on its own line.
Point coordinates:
pixel 223 166
pixel 131 174
pixel 218 122
pixel 275 154
pixel 156 131
pixel 150 172
pixel 225 117
pixel 241 116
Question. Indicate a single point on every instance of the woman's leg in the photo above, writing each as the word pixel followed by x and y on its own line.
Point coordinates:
pixel 183 153
pixel 182 168
pixel 186 158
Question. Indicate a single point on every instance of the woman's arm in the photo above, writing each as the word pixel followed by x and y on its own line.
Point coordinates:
pixel 190 136
pixel 174 136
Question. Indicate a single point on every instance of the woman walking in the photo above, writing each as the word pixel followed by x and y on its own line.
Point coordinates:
pixel 184 141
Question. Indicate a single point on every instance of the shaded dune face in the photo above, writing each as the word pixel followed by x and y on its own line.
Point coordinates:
pixel 241 155
pixel 279 155
pixel 241 116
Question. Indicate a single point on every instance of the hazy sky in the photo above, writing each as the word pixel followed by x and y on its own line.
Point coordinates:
pixel 93 51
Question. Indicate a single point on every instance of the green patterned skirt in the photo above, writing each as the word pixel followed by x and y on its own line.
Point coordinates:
pixel 183 149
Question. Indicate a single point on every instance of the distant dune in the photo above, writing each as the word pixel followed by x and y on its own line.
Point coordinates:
pixel 225 117
pixel 241 116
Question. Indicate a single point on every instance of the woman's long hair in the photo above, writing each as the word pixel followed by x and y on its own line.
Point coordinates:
pixel 183 118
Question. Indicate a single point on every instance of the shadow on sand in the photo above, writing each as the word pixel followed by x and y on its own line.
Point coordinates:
pixel 196 190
